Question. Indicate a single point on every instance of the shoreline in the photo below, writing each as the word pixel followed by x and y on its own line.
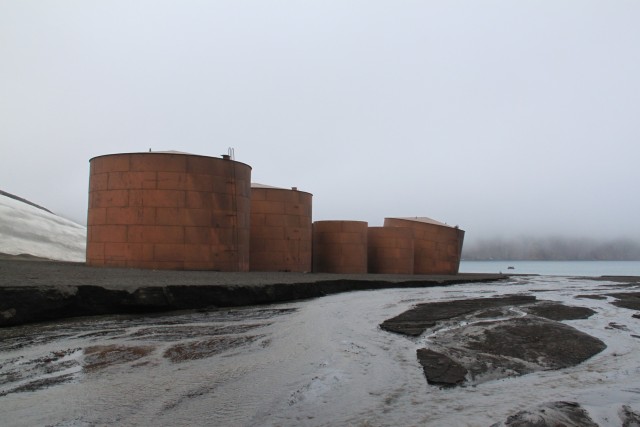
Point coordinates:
pixel 33 291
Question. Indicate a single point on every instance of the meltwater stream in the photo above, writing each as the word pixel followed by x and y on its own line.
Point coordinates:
pixel 320 362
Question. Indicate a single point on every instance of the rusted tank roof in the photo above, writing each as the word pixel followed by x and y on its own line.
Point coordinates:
pixel 258 185
pixel 425 220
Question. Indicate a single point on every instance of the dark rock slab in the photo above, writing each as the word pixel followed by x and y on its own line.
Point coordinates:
pixel 551 414
pixel 440 369
pixel 598 297
pixel 550 345
pixel 491 350
pixel 629 300
pixel 629 417
pixel 557 311
pixel 481 339
pixel 622 279
pixel 636 316
pixel 415 321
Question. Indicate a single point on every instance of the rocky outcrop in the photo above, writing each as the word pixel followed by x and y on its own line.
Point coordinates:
pixel 551 414
pixel 557 311
pixel 630 300
pixel 498 349
pixel 440 369
pixel 475 340
pixel 629 417
pixel 415 321
pixel 526 344
pixel 567 414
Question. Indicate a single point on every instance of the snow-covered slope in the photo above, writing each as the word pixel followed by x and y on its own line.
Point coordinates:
pixel 26 229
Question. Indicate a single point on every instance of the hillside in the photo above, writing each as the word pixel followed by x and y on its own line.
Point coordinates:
pixel 30 231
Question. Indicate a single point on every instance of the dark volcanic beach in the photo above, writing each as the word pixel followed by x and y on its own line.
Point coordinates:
pixel 40 290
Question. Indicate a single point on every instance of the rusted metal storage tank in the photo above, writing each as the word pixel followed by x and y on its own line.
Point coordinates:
pixel 340 246
pixel 390 250
pixel 437 246
pixel 169 210
pixel 281 229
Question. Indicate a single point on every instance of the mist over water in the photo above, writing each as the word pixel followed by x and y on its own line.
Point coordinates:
pixel 321 362
pixel 553 268
pixel 552 248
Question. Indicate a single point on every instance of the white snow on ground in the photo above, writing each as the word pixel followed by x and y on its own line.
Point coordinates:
pixel 25 229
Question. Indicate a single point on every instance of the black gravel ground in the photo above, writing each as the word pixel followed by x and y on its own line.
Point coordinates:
pixel 33 291
pixel 49 273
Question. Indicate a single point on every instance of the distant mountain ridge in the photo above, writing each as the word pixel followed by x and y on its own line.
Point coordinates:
pixel 13 196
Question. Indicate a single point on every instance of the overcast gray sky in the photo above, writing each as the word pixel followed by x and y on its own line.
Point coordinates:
pixel 503 117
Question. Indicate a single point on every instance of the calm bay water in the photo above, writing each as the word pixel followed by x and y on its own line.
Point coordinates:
pixel 554 268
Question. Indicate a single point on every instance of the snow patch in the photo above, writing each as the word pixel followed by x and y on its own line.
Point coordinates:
pixel 25 229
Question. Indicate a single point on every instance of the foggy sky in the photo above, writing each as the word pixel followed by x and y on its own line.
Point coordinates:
pixel 503 117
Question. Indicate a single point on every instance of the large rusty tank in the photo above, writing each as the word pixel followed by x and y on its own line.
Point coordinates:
pixel 437 246
pixel 390 250
pixel 340 247
pixel 281 229
pixel 169 210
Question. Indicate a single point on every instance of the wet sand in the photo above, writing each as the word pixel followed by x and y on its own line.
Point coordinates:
pixel 326 361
